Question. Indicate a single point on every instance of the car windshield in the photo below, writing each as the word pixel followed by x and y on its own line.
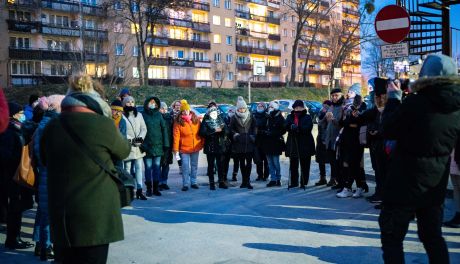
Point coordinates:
pixel 315 104
pixel 201 110
pixel 224 108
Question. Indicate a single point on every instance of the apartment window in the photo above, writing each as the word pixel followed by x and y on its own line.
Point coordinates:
pixel 285 32
pixel 89 24
pixel 293 33
pixel 119 49
pixel 58 70
pixel 229 58
pixel 178 74
pixel 216 3
pixel 58 45
pixel 218 75
pixel 21 67
pixel 217 57
pixel 216 20
pixel 20 43
pixel 134 7
pixel 228 4
pixel 285 17
pixel 117 5
pixel 198 56
pixel 217 39
pixel 135 72
pixel 228 22
pixel 156 73
pixel 285 47
pixel 135 51
pixel 228 40
pixel 196 37
pixel 118 27
pixel 180 54
pixel 285 63
pixel 292 18
pixel 230 76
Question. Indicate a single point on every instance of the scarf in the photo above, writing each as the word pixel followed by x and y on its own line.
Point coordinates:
pixel 243 116
pixel 187 118
pixel 296 118
pixel 117 120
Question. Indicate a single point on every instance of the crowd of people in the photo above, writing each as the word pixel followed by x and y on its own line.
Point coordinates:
pixel 410 131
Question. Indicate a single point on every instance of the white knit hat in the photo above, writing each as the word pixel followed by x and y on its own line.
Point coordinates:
pixel 275 105
pixel 241 103
pixel 128 99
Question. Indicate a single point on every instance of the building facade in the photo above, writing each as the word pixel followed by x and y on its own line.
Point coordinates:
pixel 212 43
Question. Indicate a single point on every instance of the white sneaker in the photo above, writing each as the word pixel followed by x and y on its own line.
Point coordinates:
pixel 358 193
pixel 345 193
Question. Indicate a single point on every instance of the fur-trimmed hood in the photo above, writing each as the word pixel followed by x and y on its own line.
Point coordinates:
pixel 442 91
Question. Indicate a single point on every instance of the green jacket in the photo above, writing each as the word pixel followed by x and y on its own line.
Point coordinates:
pixel 157 138
pixel 84 202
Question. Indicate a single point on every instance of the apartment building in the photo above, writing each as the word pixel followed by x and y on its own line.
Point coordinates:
pixel 47 40
pixel 213 43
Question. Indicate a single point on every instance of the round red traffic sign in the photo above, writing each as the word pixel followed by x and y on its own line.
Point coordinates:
pixel 392 24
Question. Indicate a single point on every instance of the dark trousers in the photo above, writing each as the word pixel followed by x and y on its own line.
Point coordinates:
pixel 218 160
pixel 322 170
pixel 394 223
pixel 380 161
pixel 245 162
pixel 83 255
pixel 20 199
pixel 335 166
pixel 236 165
pixel 304 170
pixel 262 165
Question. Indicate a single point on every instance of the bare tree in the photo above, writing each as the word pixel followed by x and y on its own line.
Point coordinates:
pixel 374 64
pixel 144 16
pixel 219 69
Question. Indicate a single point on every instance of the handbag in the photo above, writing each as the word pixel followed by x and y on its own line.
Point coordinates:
pixel 124 180
pixel 25 173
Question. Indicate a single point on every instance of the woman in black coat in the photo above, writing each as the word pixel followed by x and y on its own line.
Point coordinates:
pixel 260 158
pixel 300 145
pixel 214 131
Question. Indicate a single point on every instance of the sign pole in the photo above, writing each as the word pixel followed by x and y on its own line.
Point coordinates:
pixel 249 89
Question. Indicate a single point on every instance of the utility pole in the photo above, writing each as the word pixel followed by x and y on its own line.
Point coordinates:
pixel 446 45
pixel 82 50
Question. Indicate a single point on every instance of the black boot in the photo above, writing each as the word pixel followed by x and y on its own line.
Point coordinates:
pixel 148 186
pixel 322 181
pixel 278 183
pixel 155 190
pixel 38 249
pixel 332 182
pixel 454 222
pixel 47 253
pixel 234 177
pixel 164 186
pixel 212 185
pixel 223 185
pixel 140 195
pixel 271 184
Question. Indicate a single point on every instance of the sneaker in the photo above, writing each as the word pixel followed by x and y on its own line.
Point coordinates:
pixel 185 188
pixel 345 193
pixel 195 186
pixel 358 193
pixel 271 184
pixel 223 185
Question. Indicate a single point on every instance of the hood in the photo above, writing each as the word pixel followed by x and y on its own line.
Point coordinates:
pixel 441 91
pixel 146 103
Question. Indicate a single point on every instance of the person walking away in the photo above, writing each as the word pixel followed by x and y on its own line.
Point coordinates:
pixel 188 143
pixel 351 151
pixel 135 133
pixel 214 131
pixel 272 142
pixel 52 107
pixel 260 118
pixel 167 158
pixel 11 143
pixel 300 145
pixel 417 176
pixel 243 131
pixel 321 150
pixel 228 153
pixel 155 145
pixel 455 179
pixel 332 118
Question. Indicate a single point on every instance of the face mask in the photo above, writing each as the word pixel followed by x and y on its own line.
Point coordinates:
pixel 22 118
pixel 260 110
pixel 213 115
pixel 380 109
pixel 152 106
pixel 231 114
pixel 270 109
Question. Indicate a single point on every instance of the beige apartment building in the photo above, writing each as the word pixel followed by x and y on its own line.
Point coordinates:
pixel 213 43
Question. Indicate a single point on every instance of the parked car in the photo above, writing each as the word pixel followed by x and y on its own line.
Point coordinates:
pixel 199 110
pixel 223 108
pixel 286 105
pixel 253 106
pixel 314 108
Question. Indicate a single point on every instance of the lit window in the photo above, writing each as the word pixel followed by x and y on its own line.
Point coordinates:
pixel 217 39
pixel 228 22
pixel 216 20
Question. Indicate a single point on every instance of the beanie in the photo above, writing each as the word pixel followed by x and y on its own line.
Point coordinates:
pixel 380 86
pixel 356 88
pixel 163 105
pixel 274 104
pixel 53 102
pixel 128 99
pixel 240 103
pixel 184 106
pixel 212 103
pixel 327 102
pixel 298 103
pixel 211 109
pixel 14 108
pixel 117 105
pixel 438 65
pixel 336 90
pixel 124 91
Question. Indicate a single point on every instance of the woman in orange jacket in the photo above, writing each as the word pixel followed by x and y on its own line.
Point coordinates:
pixel 187 144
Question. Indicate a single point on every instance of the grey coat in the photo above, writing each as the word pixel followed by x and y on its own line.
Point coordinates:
pixel 333 127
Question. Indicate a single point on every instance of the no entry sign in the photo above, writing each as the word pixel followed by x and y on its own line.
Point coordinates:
pixel 392 24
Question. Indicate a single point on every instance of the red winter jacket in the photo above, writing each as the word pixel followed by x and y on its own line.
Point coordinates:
pixel 4 113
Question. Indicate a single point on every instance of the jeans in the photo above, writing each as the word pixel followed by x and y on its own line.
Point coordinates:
pixel 304 167
pixel 189 167
pixel 42 228
pixel 262 165
pixel 164 173
pixel 274 167
pixel 138 170
pixel 152 169
pixel 394 222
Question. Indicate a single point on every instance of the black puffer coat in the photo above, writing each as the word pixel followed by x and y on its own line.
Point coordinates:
pixel 300 142
pixel 243 134
pixel 214 142
pixel 321 150
pixel 271 138
pixel 426 127
pixel 261 125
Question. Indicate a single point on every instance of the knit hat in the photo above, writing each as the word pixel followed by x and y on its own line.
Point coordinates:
pixel 240 103
pixel 438 65
pixel 184 106
pixel 327 102
pixel 298 103
pixel 274 104
pixel 356 88
pixel 212 103
pixel 380 86
pixel 211 109
pixel 117 105
pixel 128 99
pixel 14 108
pixel 52 102
pixel 123 92
pixel 336 90
pixel 163 105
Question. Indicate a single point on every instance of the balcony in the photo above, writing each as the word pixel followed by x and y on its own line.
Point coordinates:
pixel 350 12
pixel 273 69
pixel 245 14
pixel 262 51
pixel 268 68
pixel 199 26
pixel 168 61
pixel 314 71
pixel 263 35
pixel 259 2
pixel 313 57
pixel 353 62
pixel 96 34
pixel 23 26
pixel 244 67
pixel 349 23
pixel 180 83
pixel 57 55
pixel 320 16
pixel 97 57
pixel 73 7
pixel 275 37
pixel 274 3
pixel 162 41
pixel 323 30
pixel 25 3
pixel 200 6
pixel 49 29
pixel 325 4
